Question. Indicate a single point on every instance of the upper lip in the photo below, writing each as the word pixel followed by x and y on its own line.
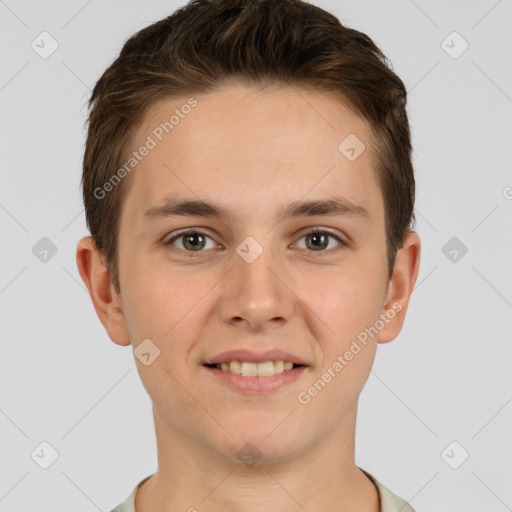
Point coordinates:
pixel 255 357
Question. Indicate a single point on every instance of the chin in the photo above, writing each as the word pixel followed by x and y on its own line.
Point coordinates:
pixel 256 444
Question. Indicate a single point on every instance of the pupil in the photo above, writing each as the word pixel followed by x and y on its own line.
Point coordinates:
pixel 191 236
pixel 315 236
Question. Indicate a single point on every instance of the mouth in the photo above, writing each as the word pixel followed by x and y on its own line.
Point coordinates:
pixel 249 369
pixel 251 378
pixel 249 372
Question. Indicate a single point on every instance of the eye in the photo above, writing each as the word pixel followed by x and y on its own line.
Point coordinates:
pixel 318 239
pixel 192 241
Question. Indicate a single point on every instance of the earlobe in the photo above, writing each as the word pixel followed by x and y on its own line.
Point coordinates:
pixel 400 287
pixel 105 300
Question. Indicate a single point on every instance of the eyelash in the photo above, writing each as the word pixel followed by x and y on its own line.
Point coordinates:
pixel 323 231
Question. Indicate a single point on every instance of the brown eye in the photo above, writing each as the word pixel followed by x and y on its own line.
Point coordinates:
pixel 318 240
pixel 191 241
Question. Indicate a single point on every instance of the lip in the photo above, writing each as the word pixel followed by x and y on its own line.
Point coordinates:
pixel 256 357
pixel 257 385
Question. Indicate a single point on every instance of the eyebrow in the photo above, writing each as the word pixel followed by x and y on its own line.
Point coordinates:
pixel 335 206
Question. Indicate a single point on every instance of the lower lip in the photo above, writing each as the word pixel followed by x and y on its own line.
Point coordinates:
pixel 257 385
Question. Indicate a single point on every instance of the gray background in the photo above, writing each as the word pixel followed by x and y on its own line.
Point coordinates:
pixel 445 378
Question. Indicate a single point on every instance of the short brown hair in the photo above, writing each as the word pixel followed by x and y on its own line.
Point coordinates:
pixel 261 42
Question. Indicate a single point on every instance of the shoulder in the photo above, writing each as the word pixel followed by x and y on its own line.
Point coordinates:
pixel 128 504
pixel 390 502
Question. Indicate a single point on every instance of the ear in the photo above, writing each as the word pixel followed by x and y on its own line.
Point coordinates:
pixel 401 284
pixel 107 303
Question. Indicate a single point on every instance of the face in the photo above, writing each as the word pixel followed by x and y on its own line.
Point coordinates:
pixel 250 278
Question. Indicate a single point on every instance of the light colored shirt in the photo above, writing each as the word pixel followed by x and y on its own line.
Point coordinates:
pixel 389 502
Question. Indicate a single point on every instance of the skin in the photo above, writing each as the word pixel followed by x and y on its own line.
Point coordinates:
pixel 264 149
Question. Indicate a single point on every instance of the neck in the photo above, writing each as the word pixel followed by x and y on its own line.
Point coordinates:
pixel 194 478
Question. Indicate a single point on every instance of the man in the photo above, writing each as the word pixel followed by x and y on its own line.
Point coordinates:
pixel 249 191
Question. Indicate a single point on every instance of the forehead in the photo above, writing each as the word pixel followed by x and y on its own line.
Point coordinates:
pixel 253 148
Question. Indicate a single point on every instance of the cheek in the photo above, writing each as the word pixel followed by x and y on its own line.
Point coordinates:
pixel 350 308
pixel 154 302
pixel 169 306
pixel 349 346
pixel 350 302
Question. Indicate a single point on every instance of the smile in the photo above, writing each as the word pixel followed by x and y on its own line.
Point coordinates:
pixel 245 376
pixel 248 369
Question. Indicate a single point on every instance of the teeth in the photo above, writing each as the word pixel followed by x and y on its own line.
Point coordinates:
pixel 249 369
pixel 246 369
pixel 265 369
pixel 234 367
pixel 279 366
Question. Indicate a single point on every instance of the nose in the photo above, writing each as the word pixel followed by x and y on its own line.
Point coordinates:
pixel 255 294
